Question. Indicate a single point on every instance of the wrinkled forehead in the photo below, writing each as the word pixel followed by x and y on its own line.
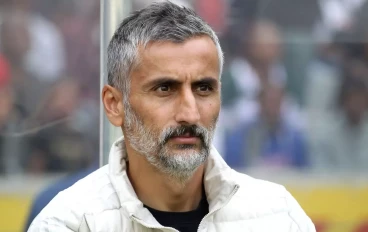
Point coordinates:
pixel 198 50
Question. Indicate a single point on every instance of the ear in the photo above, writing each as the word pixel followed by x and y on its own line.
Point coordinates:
pixel 112 100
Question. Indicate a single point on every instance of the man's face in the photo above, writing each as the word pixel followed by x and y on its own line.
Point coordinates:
pixel 174 104
pixel 15 39
pixel 265 43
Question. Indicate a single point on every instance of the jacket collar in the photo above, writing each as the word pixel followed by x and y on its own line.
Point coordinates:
pixel 219 183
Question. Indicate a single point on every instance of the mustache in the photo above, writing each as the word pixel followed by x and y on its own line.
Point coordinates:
pixel 191 130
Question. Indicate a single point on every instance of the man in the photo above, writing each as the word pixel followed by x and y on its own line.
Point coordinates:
pixel 164 67
pixel 345 147
pixel 270 138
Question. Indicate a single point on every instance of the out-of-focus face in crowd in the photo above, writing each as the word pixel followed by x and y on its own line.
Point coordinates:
pixel 264 43
pixel 15 38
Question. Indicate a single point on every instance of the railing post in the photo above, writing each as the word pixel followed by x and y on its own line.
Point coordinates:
pixel 112 13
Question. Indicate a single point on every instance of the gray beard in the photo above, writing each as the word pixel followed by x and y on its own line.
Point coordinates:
pixel 178 167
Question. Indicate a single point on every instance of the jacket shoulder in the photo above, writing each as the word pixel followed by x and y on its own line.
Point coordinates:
pixel 90 195
pixel 267 198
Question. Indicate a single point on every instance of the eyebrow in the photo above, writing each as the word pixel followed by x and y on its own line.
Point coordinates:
pixel 206 80
pixel 171 81
pixel 160 81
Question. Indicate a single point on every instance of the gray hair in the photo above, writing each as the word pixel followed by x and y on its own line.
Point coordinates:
pixel 163 21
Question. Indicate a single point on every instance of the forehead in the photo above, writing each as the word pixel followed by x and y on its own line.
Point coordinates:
pixel 195 54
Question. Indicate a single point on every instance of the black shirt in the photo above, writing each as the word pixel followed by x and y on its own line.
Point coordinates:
pixel 182 221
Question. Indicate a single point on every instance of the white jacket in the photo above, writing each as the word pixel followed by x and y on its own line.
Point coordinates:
pixel 105 201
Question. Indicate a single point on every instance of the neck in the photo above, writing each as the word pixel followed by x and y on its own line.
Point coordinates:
pixel 158 191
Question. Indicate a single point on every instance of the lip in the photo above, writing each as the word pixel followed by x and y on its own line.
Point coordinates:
pixel 185 139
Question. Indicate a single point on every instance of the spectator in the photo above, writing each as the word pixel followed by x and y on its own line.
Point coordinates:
pixel 342 145
pixel 79 26
pixel 323 80
pixel 45 42
pixel 260 64
pixel 19 31
pixel 23 91
pixel 261 59
pixel 64 146
pixel 323 76
pixel 15 44
pixel 269 139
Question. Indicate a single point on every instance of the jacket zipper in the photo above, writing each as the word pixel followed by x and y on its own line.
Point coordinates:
pixel 150 226
pixel 214 211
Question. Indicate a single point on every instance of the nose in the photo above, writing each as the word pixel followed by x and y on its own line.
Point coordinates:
pixel 187 110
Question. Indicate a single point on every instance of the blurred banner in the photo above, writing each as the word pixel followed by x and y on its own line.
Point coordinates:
pixel 335 208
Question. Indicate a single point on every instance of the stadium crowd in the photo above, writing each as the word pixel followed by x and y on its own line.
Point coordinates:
pixel 294 85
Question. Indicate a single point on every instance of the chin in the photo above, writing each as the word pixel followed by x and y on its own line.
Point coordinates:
pixel 189 153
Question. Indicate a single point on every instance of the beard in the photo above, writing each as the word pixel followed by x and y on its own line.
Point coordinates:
pixel 178 162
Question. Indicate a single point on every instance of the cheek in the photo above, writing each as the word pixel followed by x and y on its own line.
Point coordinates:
pixel 155 115
pixel 209 112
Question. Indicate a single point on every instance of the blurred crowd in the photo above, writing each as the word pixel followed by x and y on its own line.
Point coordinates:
pixel 295 91
pixel 295 83
pixel 49 85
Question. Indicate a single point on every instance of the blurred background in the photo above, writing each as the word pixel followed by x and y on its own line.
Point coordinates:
pixel 294 100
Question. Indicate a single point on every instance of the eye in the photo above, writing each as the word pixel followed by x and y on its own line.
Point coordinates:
pixel 163 88
pixel 204 89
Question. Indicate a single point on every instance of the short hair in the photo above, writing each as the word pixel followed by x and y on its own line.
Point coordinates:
pixel 163 21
